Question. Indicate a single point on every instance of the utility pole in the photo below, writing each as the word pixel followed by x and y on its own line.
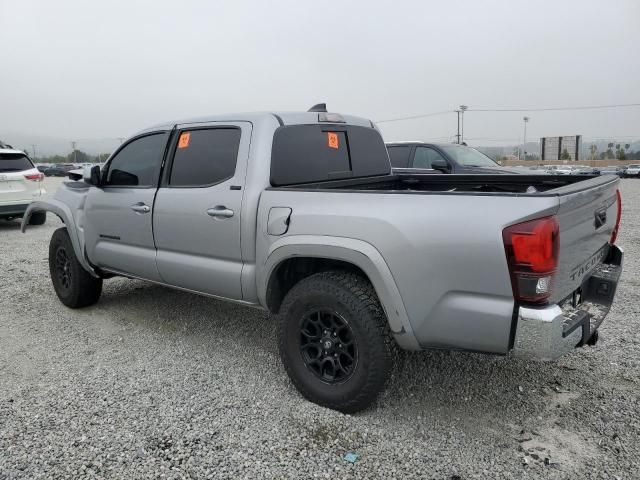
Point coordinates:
pixel 462 110
pixel 458 135
pixel 524 143
pixel 73 147
pixel 34 150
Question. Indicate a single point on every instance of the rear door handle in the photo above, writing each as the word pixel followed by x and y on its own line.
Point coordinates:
pixel 220 212
pixel 140 208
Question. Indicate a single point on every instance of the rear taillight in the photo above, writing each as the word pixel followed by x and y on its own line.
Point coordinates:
pixel 532 254
pixel 614 234
pixel 35 177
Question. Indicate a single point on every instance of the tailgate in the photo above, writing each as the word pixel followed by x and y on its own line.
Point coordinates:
pixel 13 184
pixel 14 187
pixel 586 217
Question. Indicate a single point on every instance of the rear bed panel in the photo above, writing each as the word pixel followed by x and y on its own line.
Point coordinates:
pixel 445 253
pixel 445 250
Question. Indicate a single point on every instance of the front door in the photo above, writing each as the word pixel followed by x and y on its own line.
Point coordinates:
pixel 197 215
pixel 118 221
pixel 423 157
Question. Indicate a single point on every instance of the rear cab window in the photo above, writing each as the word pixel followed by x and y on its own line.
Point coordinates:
pixel 204 157
pixel 316 153
pixel 14 162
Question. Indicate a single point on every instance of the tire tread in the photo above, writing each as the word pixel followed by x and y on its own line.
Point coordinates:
pixel 86 289
pixel 358 295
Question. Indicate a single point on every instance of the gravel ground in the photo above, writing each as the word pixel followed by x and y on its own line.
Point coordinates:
pixel 155 383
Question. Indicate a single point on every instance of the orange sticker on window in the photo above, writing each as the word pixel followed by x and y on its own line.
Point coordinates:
pixel 332 139
pixel 183 141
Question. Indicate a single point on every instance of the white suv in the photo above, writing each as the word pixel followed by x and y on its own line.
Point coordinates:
pixel 632 171
pixel 20 183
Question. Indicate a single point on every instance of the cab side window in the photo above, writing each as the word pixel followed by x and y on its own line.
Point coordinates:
pixel 205 157
pixel 424 157
pixel 138 163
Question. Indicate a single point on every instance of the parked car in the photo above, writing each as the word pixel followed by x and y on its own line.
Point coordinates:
pixel 59 170
pixel 42 167
pixel 586 171
pixel 632 170
pixel 441 158
pixel 560 169
pixel 612 170
pixel 300 214
pixel 20 183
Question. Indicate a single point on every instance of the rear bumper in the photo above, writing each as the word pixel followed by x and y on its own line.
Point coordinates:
pixel 550 332
pixel 12 211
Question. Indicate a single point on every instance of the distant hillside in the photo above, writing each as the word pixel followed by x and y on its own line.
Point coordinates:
pixel 46 146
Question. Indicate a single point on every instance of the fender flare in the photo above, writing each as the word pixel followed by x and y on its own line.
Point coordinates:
pixel 64 213
pixel 356 252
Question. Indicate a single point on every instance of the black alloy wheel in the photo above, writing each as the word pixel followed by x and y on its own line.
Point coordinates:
pixel 328 346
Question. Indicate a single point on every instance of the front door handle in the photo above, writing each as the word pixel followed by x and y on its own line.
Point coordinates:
pixel 220 212
pixel 141 208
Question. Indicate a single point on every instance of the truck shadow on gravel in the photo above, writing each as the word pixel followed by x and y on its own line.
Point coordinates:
pixel 449 382
pixel 13 226
pixel 518 406
pixel 10 225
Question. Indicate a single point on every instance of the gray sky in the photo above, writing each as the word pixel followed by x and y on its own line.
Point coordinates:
pixel 78 69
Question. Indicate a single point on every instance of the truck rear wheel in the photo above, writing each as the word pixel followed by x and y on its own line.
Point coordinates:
pixel 74 286
pixel 334 340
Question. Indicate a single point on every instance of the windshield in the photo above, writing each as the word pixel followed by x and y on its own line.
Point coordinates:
pixel 14 162
pixel 468 157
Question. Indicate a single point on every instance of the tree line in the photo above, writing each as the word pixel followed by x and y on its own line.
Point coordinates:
pixel 76 156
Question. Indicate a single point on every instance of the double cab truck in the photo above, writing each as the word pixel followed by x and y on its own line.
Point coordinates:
pixel 301 215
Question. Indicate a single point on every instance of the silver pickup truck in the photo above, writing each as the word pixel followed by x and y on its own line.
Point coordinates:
pixel 299 213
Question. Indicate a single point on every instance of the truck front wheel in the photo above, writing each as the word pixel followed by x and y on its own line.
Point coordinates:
pixel 74 286
pixel 334 340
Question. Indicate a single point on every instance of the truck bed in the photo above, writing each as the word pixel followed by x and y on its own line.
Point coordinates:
pixel 476 184
pixel 441 236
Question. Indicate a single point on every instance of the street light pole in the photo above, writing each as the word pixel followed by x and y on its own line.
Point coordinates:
pixel 458 135
pixel 462 109
pixel 524 143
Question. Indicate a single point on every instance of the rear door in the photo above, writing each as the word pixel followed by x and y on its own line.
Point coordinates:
pixel 19 179
pixel 118 215
pixel 197 213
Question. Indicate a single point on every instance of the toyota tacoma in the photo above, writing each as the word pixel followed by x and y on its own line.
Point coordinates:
pixel 301 214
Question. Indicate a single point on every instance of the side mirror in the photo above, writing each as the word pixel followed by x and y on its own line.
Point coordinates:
pixel 441 165
pixel 92 175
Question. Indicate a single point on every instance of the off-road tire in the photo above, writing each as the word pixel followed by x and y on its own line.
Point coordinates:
pixel 353 298
pixel 38 218
pixel 75 287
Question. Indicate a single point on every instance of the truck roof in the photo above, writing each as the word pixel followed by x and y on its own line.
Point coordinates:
pixel 284 118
